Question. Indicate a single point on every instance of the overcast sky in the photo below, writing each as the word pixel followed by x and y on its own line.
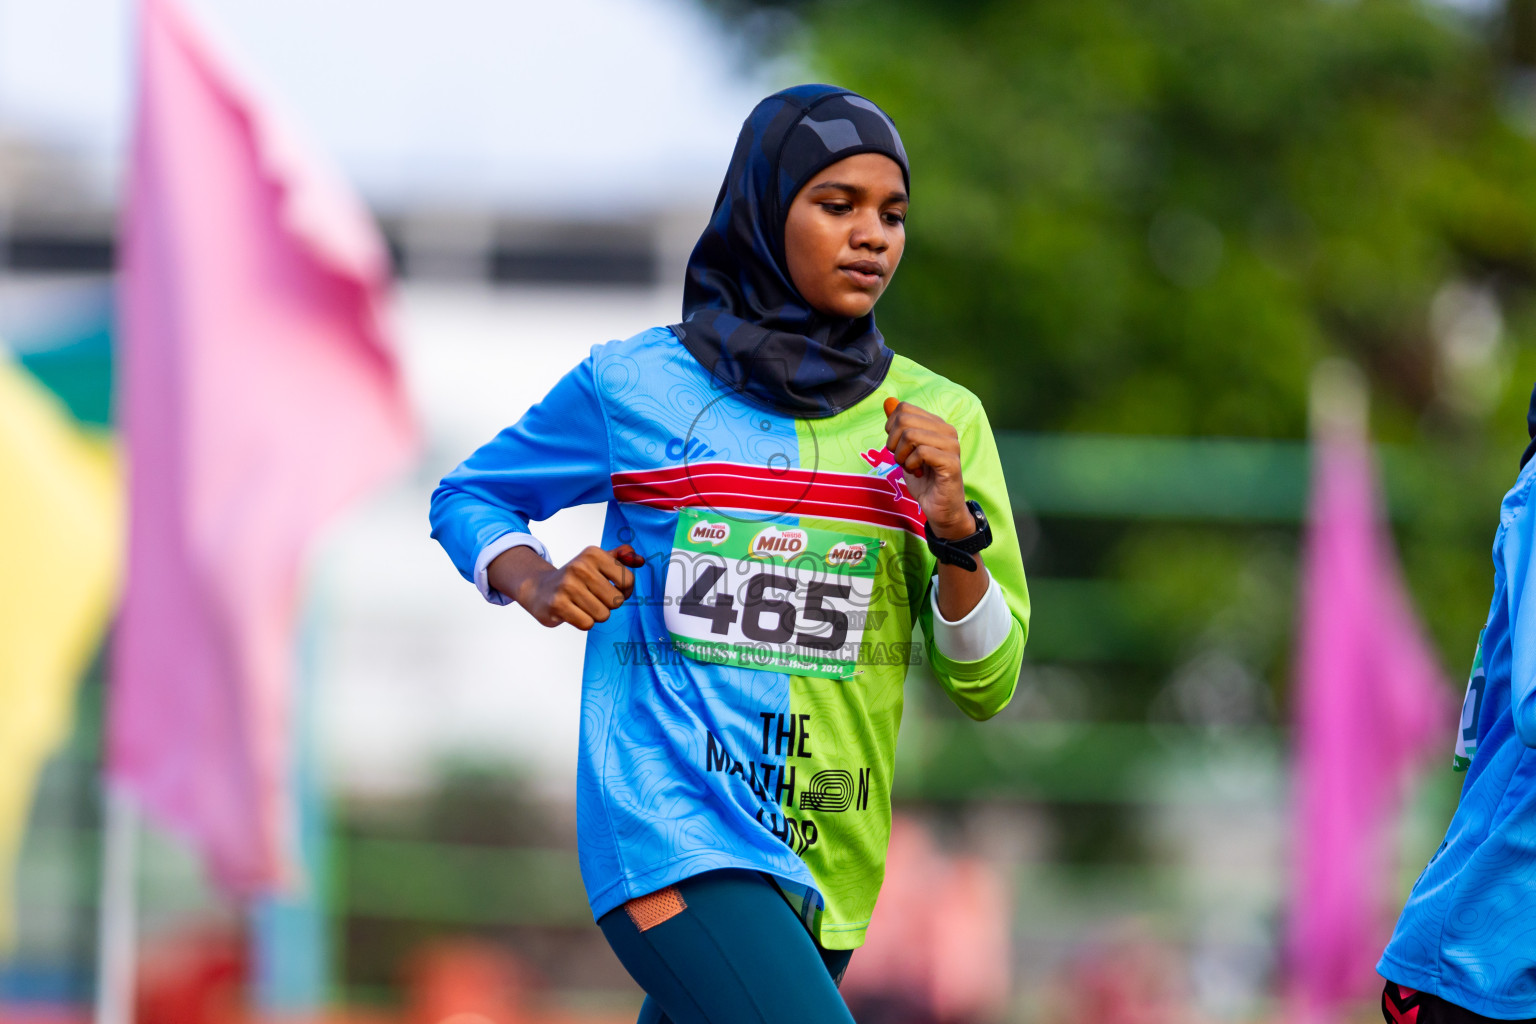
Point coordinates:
pixel 597 104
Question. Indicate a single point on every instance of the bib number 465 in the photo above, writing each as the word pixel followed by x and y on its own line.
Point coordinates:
pixel 782 598
pixel 765 615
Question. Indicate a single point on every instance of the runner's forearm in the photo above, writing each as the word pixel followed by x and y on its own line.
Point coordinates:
pixel 960 590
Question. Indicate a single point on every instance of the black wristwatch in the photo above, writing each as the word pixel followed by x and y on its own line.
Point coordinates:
pixel 959 552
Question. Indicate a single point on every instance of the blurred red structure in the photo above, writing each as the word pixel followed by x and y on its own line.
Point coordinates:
pixel 467 983
pixel 197 977
pixel 201 977
pixel 939 946
pixel 1130 978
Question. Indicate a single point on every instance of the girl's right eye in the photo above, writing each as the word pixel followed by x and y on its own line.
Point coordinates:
pixel 836 207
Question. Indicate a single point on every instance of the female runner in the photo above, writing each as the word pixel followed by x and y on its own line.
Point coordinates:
pixel 786 499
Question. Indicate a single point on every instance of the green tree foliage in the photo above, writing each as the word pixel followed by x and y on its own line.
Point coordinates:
pixel 1156 216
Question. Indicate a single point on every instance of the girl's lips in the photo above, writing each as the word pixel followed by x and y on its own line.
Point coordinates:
pixel 863 275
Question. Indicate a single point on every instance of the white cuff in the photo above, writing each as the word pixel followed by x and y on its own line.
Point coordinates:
pixel 506 542
pixel 976 634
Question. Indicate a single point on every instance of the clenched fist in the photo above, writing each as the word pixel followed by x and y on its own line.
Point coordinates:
pixel 583 592
pixel 928 449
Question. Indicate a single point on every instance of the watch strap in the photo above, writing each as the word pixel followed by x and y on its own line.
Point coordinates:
pixel 958 552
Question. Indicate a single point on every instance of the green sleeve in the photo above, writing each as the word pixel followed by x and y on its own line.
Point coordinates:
pixel 983 688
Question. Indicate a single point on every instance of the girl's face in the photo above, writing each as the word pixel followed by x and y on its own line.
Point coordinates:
pixel 845 232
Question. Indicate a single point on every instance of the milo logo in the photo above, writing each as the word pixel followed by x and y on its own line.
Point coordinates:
pixel 705 532
pixel 844 553
pixel 776 543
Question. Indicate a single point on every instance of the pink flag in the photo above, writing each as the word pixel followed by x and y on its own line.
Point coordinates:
pixel 260 393
pixel 1369 700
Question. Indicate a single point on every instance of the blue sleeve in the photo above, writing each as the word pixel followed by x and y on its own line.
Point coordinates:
pixel 1519 546
pixel 554 457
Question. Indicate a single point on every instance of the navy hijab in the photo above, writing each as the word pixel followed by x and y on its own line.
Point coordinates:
pixel 743 319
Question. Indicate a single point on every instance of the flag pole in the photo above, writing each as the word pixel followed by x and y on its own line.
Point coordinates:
pixel 288 930
pixel 1338 401
pixel 117 931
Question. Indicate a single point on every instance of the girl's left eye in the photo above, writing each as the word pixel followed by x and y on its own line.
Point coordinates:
pixel 894 218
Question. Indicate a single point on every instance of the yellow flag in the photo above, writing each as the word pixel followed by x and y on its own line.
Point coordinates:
pixel 61 544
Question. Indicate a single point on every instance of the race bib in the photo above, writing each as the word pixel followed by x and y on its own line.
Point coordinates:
pixel 1471 710
pixel 758 595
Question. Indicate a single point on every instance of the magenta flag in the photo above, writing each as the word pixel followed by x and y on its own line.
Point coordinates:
pixel 1369 702
pixel 259 394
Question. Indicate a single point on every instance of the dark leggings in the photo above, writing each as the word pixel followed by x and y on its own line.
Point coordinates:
pixel 736 953
pixel 1401 1005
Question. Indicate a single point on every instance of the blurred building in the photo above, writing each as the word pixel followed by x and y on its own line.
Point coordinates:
pixel 416 676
